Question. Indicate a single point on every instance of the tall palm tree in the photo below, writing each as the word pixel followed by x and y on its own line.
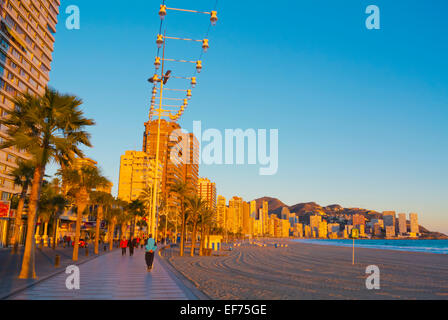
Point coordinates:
pixel 102 200
pixel 123 217
pixel 206 220
pixel 111 217
pixel 23 176
pixel 52 205
pixel 146 197
pixel 81 182
pixel 136 209
pixel 48 127
pixel 195 208
pixel 183 191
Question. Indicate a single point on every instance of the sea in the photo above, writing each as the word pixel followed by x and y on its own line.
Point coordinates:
pixel 430 246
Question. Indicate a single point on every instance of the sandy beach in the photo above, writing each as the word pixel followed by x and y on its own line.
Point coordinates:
pixel 311 271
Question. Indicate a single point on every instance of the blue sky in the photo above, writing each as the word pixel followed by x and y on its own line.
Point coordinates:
pixel 362 114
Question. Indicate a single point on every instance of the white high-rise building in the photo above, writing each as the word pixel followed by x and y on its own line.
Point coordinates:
pixel 413 217
pixel 402 227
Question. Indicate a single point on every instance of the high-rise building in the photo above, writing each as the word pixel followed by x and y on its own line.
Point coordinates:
pixel 285 213
pixel 322 229
pixel 136 174
pixel 221 212
pixel 236 214
pixel 27 31
pixel 377 229
pixel 390 231
pixel 307 231
pixel 389 221
pixel 358 220
pixel 178 154
pixel 402 228
pixel 298 230
pixel 314 223
pixel 207 192
pixel 246 218
pixel 413 217
pixel 253 209
pixel 265 213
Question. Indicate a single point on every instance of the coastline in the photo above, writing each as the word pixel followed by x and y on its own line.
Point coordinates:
pixel 314 271
pixel 406 245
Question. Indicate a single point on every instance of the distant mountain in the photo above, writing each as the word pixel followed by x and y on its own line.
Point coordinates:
pixel 300 209
pixel 274 204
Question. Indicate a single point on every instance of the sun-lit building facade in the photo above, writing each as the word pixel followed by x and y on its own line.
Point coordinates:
pixel 136 174
pixel 27 31
pixel 207 192
pixel 178 155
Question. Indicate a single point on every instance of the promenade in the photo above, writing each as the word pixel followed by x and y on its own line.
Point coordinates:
pixel 113 276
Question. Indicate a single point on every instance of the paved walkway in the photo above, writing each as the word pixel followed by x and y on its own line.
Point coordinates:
pixel 113 276
pixel 10 266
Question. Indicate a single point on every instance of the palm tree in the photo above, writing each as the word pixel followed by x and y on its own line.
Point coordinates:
pixel 103 200
pixel 123 217
pixel 23 176
pixel 136 209
pixel 81 182
pixel 183 191
pixel 48 127
pixel 206 222
pixel 146 197
pixel 111 216
pixel 52 205
pixel 195 207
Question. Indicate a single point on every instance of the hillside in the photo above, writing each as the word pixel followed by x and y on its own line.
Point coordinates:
pixel 300 209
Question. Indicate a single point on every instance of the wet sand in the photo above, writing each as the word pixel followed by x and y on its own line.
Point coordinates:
pixel 311 271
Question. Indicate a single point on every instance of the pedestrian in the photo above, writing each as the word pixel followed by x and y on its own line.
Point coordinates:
pixel 142 242
pixel 123 245
pixel 150 249
pixel 131 247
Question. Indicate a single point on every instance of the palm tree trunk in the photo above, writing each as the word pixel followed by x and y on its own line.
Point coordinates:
pixel 18 221
pixel 166 226
pixel 111 236
pixel 81 207
pixel 97 229
pixel 201 244
pixel 193 239
pixel 28 270
pixel 182 236
pixel 55 231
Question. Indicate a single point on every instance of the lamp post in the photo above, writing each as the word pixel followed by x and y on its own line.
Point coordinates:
pixel 160 63
pixel 156 169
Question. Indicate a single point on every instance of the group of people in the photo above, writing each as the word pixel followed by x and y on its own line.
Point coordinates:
pixel 149 244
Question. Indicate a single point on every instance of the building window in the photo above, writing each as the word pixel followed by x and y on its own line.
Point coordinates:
pixel 6 196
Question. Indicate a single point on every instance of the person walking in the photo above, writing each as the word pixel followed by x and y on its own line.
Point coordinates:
pixel 150 249
pixel 123 245
pixel 142 242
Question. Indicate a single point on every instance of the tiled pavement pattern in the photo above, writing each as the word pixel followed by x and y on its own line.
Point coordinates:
pixel 113 276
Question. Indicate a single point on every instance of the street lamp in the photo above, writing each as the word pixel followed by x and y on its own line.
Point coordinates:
pixel 199 66
pixel 157 63
pixel 162 11
pixel 189 94
pixel 154 79
pixel 205 45
pixel 159 41
pixel 213 17
pixel 193 82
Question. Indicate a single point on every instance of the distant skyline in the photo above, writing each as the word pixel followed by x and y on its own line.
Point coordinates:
pixel 362 114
